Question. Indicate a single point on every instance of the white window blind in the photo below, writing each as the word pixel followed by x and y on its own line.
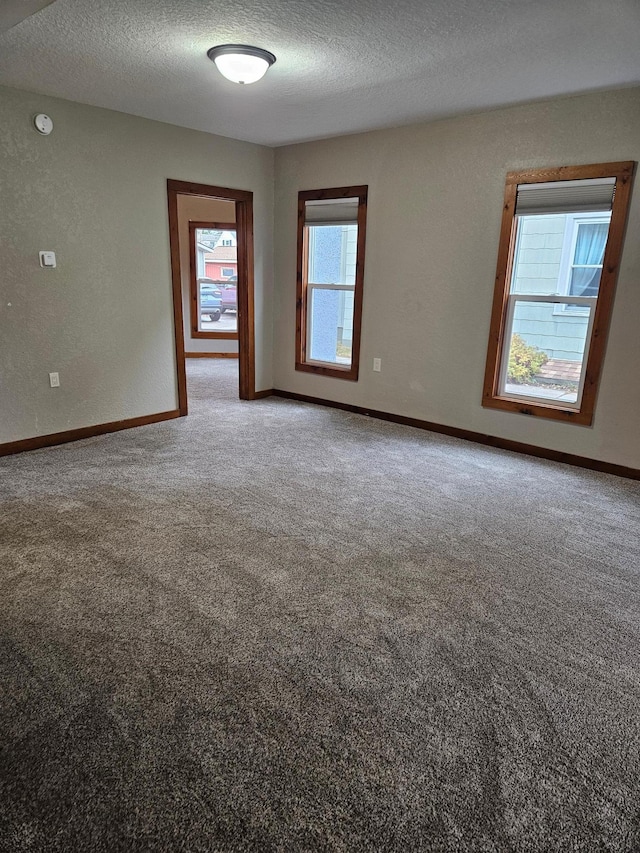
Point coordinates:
pixel 334 211
pixel 592 194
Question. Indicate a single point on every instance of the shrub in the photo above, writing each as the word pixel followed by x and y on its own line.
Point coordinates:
pixel 524 361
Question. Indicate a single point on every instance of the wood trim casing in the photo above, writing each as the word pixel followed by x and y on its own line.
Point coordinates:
pixel 176 286
pixel 217 226
pixel 470 435
pixel 245 286
pixel 245 297
pixel 211 355
pixel 55 438
pixel 208 191
pixel 301 364
pixel 623 172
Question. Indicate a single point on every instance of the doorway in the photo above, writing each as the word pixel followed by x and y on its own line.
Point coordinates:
pixel 243 201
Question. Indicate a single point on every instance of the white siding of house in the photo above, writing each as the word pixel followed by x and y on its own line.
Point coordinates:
pixel 536 270
pixel 540 250
pixel 350 244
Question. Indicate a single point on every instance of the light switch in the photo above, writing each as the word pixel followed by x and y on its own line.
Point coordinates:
pixel 48 259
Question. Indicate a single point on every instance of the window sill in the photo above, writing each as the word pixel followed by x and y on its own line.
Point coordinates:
pixel 232 336
pixel 540 409
pixel 349 373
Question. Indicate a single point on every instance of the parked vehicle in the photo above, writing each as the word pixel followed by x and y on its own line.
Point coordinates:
pixel 228 290
pixel 210 300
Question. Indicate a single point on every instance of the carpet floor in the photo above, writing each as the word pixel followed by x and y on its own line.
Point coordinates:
pixel 272 626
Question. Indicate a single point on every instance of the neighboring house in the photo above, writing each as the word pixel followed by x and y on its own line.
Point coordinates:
pixel 332 260
pixel 222 261
pixel 558 254
pixel 201 252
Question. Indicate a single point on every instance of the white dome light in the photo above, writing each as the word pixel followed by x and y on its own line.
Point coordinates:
pixel 241 63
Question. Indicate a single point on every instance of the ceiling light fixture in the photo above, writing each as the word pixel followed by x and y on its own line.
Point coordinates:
pixel 241 63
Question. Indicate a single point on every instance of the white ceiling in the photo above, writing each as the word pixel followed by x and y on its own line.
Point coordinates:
pixel 342 65
pixel 14 11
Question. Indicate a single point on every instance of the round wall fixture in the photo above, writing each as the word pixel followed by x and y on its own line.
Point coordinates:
pixel 43 124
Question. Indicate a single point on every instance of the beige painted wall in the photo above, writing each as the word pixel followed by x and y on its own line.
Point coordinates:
pixel 193 208
pixel 95 193
pixel 435 203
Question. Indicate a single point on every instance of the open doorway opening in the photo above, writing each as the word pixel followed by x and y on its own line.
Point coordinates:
pixel 226 207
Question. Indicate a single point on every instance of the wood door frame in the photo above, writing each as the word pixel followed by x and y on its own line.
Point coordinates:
pixel 245 291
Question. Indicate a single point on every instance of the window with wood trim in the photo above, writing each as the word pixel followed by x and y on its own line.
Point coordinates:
pixel 213 280
pixel 331 243
pixel 560 245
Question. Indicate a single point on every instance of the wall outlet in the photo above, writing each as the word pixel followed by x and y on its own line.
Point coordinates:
pixel 377 364
pixel 54 380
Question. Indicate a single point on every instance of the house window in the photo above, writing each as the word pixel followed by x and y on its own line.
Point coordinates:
pixel 561 240
pixel 583 248
pixel 213 303
pixel 331 240
pixel 227 272
pixel 226 242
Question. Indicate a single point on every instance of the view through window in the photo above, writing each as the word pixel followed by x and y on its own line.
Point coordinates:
pixel 214 281
pixel 554 289
pixel 330 292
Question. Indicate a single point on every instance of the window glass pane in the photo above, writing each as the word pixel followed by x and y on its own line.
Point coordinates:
pixel 332 260
pixel 209 305
pixel 330 328
pixel 332 254
pixel 560 253
pixel 537 261
pixel 585 281
pixel 591 240
pixel 545 354
pixel 217 274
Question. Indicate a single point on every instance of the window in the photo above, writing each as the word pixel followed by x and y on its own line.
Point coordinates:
pixel 226 242
pixel 560 245
pixel 584 242
pixel 331 240
pixel 214 308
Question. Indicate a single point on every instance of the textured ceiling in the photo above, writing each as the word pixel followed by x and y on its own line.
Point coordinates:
pixel 14 11
pixel 341 66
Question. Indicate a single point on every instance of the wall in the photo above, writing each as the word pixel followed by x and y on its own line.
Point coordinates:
pixel 435 204
pixel 198 209
pixel 95 193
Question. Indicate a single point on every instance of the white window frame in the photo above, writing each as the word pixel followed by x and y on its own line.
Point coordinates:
pixel 572 225
pixel 589 303
pixel 562 301
pixel 310 288
pixel 311 285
